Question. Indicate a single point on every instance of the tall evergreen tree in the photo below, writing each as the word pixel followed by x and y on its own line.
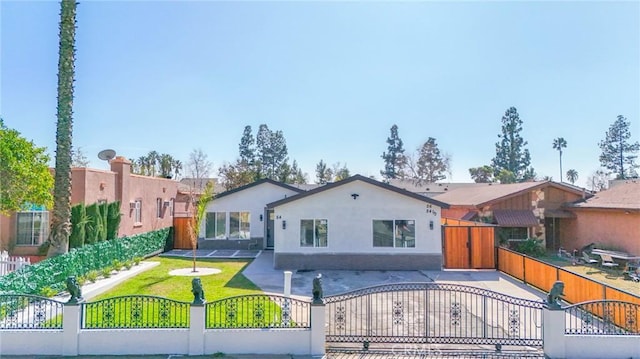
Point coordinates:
pixel 482 174
pixel 61 214
pixel 431 165
pixel 246 147
pixel 558 144
pixel 394 158
pixel 323 173
pixel 271 152
pixel 511 154
pixel 618 154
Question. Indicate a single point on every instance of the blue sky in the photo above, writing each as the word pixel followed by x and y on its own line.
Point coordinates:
pixel 333 76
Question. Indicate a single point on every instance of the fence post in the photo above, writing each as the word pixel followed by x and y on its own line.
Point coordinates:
pixel 318 334
pixel 287 283
pixel 553 342
pixel 70 328
pixel 196 329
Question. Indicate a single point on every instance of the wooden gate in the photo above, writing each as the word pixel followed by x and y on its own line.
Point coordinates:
pixel 468 245
pixel 181 237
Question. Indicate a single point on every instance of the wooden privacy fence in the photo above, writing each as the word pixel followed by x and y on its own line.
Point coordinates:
pixel 541 275
pixel 181 236
pixel 9 264
pixel 468 245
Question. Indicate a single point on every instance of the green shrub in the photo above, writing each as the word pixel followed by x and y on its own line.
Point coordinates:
pixel 113 219
pixel 92 225
pixel 47 292
pixel 92 276
pixel 137 260
pixel 78 225
pixel 106 272
pixel 128 264
pixel 103 209
pixel 531 247
pixel 116 265
pixel 53 272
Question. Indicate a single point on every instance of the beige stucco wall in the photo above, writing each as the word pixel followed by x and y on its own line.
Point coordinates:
pixel 611 228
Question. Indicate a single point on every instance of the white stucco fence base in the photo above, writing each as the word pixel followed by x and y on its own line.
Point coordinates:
pixel 195 340
pixel 558 345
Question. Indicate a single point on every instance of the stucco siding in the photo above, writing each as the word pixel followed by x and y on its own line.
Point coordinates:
pixel 253 200
pixel 611 228
pixel 350 221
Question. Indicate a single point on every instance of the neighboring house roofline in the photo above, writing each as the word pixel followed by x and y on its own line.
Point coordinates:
pixel 363 179
pixel 257 183
pixel 557 185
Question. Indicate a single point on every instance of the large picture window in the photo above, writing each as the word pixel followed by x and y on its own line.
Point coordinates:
pixel 239 226
pixel 313 232
pixel 216 225
pixel 32 228
pixel 399 233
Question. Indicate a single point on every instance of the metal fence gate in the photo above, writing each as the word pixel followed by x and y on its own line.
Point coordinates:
pixel 432 313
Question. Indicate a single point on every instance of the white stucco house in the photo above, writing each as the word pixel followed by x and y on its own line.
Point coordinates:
pixel 239 219
pixel 358 224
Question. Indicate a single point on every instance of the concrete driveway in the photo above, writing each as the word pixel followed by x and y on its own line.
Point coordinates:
pixel 261 272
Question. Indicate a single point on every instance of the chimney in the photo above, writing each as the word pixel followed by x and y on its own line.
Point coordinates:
pixel 122 167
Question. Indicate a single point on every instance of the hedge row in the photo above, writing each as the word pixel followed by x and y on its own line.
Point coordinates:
pixel 53 272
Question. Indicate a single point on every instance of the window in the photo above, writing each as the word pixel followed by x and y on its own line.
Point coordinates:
pixel 239 227
pixel 172 203
pixel 513 233
pixel 313 232
pixel 159 207
pixel 32 228
pixel 216 225
pixel 397 233
pixel 137 211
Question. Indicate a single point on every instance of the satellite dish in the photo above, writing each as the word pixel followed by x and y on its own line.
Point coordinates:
pixel 107 155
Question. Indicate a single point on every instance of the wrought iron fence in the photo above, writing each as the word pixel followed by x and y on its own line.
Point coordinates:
pixel 258 311
pixel 603 317
pixel 24 311
pixel 433 313
pixel 140 311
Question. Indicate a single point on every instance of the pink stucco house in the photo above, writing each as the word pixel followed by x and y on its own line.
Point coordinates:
pixel 146 204
pixel 611 219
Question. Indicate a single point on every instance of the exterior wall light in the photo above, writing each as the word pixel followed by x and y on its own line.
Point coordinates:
pixel 284 224
pixel 260 218
pixel 355 196
pixel 431 225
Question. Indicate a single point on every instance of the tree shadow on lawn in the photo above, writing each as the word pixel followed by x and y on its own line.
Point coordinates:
pixel 239 281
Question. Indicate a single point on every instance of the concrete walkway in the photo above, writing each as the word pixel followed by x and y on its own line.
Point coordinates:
pixel 261 273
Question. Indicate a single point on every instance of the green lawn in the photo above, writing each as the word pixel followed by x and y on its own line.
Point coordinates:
pixel 158 282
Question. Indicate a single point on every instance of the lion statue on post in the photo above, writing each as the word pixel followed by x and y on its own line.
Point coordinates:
pixel 553 298
pixel 74 289
pixel 198 292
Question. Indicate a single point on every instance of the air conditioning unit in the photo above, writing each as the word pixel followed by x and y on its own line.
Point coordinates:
pixel 134 205
pixel 167 203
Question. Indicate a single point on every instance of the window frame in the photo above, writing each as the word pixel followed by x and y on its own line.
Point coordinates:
pixel 36 238
pixel 216 229
pixel 159 207
pixel 243 225
pixel 396 226
pixel 137 212
pixel 315 230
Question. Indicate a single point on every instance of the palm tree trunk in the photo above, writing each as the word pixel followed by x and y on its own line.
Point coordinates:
pixel 61 215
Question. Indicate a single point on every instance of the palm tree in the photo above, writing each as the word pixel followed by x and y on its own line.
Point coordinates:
pixel 558 144
pixel 61 214
pixel 572 176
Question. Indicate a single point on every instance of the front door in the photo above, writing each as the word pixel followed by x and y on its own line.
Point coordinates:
pixel 270 239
